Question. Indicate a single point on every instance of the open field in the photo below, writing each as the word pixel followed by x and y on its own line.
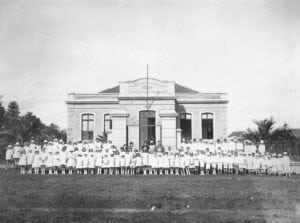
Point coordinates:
pixel 75 198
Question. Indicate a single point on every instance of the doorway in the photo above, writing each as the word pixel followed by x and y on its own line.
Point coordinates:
pixel 146 126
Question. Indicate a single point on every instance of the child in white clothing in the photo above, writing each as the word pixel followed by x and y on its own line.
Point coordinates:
pixel 70 161
pixel 44 157
pixel 36 162
pixel 22 162
pixel 98 164
pixel 56 162
pixel 63 159
pixel 8 155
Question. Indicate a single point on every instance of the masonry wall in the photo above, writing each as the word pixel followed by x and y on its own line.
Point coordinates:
pixel 219 113
pixel 74 118
pixel 133 107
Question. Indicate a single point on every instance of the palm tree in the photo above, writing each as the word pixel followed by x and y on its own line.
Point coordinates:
pixel 263 131
pixel 265 128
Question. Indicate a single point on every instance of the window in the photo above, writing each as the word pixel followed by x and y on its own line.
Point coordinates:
pixel 186 125
pixel 107 123
pixel 87 127
pixel 207 126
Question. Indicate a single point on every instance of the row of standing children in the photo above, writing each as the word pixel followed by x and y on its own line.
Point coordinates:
pixel 107 161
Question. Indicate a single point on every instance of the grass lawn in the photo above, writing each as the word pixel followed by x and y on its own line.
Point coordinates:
pixel 86 198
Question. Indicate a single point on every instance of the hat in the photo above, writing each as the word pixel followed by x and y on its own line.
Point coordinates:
pixel 32 140
pixel 45 141
pixel 285 153
pixel 274 155
pixel 17 143
pixel 279 155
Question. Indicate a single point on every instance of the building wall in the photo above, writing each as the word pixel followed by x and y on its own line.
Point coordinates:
pixel 134 106
pixel 74 118
pixel 219 113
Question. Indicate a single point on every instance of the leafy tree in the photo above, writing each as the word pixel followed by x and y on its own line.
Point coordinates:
pixel 277 140
pixel 31 126
pixel 263 131
pixel 12 120
pixel 13 110
pixel 53 131
pixel 2 114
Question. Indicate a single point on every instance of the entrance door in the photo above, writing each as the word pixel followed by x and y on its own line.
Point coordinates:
pixel 186 125
pixel 147 126
pixel 207 126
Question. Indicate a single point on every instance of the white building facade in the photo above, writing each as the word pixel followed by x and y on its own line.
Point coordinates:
pixel 127 113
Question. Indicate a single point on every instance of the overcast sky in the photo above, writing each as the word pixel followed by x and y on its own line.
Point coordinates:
pixel 249 49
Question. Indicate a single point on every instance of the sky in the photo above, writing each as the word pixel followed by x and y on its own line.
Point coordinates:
pixel 249 49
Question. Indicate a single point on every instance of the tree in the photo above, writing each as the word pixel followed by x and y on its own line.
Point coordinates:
pixel 2 114
pixel 31 126
pixel 12 120
pixel 53 131
pixel 278 140
pixel 13 110
pixel 263 131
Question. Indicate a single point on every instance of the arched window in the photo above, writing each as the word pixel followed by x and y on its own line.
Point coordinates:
pixel 87 127
pixel 207 126
pixel 107 123
pixel 186 125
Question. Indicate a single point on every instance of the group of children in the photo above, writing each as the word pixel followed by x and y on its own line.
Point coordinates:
pixel 97 158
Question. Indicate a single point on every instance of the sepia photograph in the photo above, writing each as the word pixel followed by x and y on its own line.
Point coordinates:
pixel 117 111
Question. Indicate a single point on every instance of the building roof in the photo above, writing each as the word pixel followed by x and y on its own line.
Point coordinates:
pixel 115 89
pixel 296 132
pixel 179 89
pixel 236 134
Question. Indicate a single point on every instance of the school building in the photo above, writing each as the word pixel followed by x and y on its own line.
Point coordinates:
pixel 145 109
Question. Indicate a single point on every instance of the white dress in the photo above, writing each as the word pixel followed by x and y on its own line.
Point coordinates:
pixel 177 162
pixel 79 161
pixel 166 162
pixel 172 161
pixel 145 159
pixel 85 161
pixel 182 161
pixel 117 161
pixel 56 161
pixel 122 160
pixel 133 162
pixel 71 160
pixel 23 159
pixel 17 154
pixel 50 161
pixel 30 156
pixel 127 159
pixel 91 161
pixel 44 157
pixel 99 157
pixel 111 161
pixel 286 164
pixel 9 154
pixel 105 163
pixel 63 158
pixel 36 161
